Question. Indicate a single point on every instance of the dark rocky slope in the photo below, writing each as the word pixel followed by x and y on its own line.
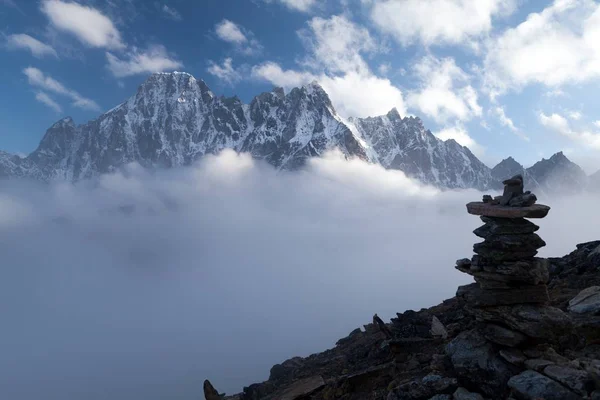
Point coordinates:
pixel 443 352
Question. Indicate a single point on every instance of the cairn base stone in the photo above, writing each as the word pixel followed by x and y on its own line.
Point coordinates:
pixel 476 296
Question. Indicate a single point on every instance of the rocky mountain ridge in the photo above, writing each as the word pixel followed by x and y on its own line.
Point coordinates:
pixel 175 119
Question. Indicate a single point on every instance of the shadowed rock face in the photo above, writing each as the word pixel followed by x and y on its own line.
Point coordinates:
pixel 494 362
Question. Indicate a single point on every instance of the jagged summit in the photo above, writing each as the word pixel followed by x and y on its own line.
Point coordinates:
pixel 173 119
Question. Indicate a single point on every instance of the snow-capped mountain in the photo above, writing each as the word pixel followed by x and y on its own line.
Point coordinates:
pixel 558 174
pixel 405 144
pixel 174 119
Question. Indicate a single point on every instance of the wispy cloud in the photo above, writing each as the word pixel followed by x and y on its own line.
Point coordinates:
pixel 154 59
pixel 38 79
pixel 44 98
pixel 171 13
pixel 296 5
pixel 225 72
pixel 561 125
pixel 24 41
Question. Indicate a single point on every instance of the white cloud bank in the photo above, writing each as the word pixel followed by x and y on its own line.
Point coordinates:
pixel 445 91
pixel 556 46
pixel 437 22
pixel 336 47
pixel 143 284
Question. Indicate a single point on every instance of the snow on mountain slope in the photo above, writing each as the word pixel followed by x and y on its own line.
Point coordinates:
pixel 558 174
pixel 405 144
pixel 175 119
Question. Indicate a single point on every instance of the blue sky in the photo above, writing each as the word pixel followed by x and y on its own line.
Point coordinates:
pixel 503 77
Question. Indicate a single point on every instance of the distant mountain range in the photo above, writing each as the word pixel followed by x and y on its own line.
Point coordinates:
pixel 174 119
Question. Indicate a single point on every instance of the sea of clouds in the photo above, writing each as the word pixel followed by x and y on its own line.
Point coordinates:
pixel 140 284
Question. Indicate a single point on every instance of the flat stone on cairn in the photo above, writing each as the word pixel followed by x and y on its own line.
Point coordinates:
pixel 510 293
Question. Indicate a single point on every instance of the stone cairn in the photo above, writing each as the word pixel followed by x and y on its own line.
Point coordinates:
pixel 510 297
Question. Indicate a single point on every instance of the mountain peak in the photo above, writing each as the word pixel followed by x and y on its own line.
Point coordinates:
pixel 393 114
pixel 66 121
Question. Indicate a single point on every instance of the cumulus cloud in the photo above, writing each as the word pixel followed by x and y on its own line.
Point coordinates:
pixel 272 72
pixel 140 285
pixel 225 72
pixel 87 24
pixel 445 91
pixel 336 47
pixel 154 59
pixel 461 136
pixel 23 41
pixel 575 115
pixel 337 44
pixel 560 124
pixel 49 101
pixel 553 47
pixel 230 32
pixel 455 22
pixel 241 38
pixel 38 79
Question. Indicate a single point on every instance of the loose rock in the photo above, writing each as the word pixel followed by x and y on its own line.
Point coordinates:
pixel 586 302
pixel 576 380
pixel 531 385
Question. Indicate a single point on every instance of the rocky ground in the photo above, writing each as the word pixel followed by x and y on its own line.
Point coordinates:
pixel 527 329
pixel 458 363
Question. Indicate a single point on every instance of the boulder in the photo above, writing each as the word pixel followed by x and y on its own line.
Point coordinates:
pixel 476 362
pixel 586 302
pixel 531 385
pixel 525 200
pixel 576 380
pixel 513 356
pixel 503 336
pixel 536 321
pixel 210 393
pixel 463 394
pixel 301 388
pixel 438 329
pixel 285 370
pixel 537 364
pixel 425 388
pixel 489 210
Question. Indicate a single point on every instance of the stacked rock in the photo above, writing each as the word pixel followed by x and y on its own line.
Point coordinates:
pixel 510 295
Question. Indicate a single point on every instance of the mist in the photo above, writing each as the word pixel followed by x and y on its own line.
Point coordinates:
pixel 141 284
